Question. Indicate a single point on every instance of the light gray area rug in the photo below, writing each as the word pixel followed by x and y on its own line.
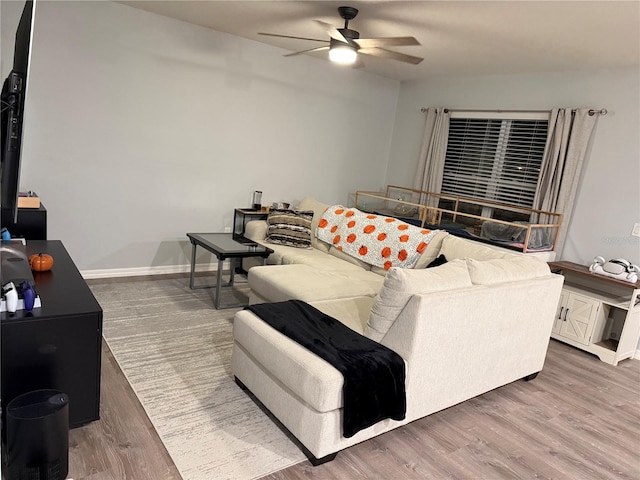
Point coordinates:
pixel 175 350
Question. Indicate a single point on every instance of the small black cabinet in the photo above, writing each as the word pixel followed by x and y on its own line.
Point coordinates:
pixel 32 223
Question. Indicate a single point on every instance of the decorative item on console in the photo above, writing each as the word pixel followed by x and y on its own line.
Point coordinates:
pixel 280 206
pixel 28 200
pixel 256 200
pixel 41 262
pixel 617 268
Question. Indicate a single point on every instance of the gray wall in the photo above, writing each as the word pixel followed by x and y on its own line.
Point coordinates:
pixel 140 128
pixel 608 201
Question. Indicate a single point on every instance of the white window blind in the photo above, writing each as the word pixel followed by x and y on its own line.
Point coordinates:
pixel 495 159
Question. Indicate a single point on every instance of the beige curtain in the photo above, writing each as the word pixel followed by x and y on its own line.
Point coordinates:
pixel 568 145
pixel 432 153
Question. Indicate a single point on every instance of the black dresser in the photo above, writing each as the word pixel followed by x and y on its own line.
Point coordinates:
pixel 57 346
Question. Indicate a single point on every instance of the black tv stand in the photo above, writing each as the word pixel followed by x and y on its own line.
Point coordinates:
pixel 56 346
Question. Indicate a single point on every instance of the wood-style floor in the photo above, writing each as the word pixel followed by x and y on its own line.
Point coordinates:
pixel 579 419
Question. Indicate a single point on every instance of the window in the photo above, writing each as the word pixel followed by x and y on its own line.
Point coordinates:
pixel 494 159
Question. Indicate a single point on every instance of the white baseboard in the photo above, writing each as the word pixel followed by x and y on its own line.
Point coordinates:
pixel 637 355
pixel 141 271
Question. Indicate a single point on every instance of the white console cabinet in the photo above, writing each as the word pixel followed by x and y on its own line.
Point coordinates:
pixel 598 314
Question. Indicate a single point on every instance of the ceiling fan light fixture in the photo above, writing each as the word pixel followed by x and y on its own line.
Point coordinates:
pixel 343 54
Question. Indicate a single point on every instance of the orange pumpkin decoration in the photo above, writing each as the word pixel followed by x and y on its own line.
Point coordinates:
pixel 41 262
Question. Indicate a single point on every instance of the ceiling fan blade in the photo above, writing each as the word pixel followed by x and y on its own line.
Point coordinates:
pixel 317 49
pixel 384 53
pixel 288 36
pixel 332 31
pixel 386 41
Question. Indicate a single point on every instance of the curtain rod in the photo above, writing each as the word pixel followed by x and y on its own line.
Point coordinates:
pixel 593 111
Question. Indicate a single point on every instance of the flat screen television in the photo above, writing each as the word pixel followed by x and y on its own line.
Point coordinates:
pixel 14 94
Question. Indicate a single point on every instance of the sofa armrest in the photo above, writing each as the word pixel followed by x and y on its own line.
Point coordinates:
pixel 256 230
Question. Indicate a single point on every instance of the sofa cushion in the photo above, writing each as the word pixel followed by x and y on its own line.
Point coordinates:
pixel 308 376
pixel 316 259
pixel 379 270
pixel 455 247
pixel 336 252
pixel 400 284
pixel 353 312
pixel 432 250
pixel 309 203
pixel 290 227
pixel 500 270
pixel 278 283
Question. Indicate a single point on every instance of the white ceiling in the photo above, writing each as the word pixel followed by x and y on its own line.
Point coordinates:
pixel 457 37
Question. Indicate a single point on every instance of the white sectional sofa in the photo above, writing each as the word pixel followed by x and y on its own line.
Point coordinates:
pixel 478 322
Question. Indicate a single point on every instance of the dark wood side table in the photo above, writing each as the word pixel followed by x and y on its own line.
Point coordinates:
pixel 57 346
pixel 243 215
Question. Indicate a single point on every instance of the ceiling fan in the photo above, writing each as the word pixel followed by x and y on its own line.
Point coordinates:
pixel 345 44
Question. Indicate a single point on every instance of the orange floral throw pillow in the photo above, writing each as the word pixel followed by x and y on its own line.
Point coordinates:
pixel 375 239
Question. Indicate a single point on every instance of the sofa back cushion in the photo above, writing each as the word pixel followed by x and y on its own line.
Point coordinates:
pixel 500 270
pixel 400 284
pixel 455 247
pixel 310 203
pixel 336 252
pixel 433 249
pixel 426 258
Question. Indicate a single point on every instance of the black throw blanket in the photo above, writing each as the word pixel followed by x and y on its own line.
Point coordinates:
pixel 373 374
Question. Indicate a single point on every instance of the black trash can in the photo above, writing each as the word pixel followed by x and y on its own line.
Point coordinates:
pixel 38 436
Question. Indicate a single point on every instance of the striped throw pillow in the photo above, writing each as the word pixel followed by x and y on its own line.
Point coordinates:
pixel 290 227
